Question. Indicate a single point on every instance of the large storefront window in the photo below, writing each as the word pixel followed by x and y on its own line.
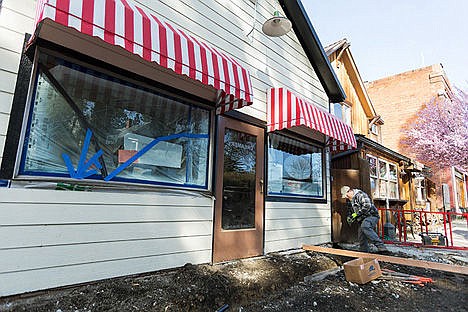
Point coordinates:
pixel 294 168
pixel 136 135
pixel 383 178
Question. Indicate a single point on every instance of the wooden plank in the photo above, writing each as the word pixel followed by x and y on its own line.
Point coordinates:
pixel 5 102
pixel 9 60
pixel 17 21
pixel 25 7
pixel 149 198
pixel 4 118
pixel 296 233
pixel 2 146
pixel 289 205
pixel 22 259
pixel 69 234
pixel 7 82
pixel 86 212
pixel 287 213
pixel 284 244
pixel 295 223
pixel 391 259
pixel 11 40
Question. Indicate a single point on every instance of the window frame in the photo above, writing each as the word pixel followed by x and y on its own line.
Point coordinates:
pixel 387 179
pixel 128 77
pixel 344 116
pixel 420 184
pixel 275 197
pixel 374 129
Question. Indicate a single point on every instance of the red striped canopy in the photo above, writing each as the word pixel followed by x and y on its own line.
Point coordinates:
pixel 286 110
pixel 122 23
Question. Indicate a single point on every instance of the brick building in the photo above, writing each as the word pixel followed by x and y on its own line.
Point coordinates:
pixel 398 98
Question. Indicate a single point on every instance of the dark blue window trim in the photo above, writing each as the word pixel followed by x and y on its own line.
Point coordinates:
pixel 92 178
pixel 287 197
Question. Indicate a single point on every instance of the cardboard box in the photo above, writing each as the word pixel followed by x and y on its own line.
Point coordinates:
pixel 362 270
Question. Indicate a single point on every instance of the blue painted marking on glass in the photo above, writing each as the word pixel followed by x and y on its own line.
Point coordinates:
pixel 150 146
pixel 82 171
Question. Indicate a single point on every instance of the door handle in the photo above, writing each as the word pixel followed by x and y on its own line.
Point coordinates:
pixel 261 186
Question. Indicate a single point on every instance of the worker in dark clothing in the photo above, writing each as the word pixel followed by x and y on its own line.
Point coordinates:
pixel 367 215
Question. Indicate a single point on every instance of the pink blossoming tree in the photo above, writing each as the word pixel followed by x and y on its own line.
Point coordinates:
pixel 439 135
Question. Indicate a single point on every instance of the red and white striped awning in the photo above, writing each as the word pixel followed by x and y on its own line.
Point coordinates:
pixel 122 23
pixel 286 110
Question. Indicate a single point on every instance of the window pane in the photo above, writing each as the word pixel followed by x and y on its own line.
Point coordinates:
pixel 294 168
pixel 392 173
pixel 393 190
pixel 240 168
pixel 372 166
pixel 374 190
pixel 337 111
pixel 347 114
pixel 123 118
pixel 382 189
pixel 382 170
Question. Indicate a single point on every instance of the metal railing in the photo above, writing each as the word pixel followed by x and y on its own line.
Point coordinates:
pixel 435 228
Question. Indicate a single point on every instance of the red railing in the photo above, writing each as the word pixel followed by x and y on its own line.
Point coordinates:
pixel 421 222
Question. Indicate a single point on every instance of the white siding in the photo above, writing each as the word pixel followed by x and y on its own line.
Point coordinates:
pixel 272 62
pixel 290 225
pixel 51 238
pixel 16 18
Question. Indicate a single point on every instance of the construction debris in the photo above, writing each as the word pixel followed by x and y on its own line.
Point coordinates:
pixel 321 275
pixel 405 278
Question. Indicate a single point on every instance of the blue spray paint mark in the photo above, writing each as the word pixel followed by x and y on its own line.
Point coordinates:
pixel 150 146
pixel 82 171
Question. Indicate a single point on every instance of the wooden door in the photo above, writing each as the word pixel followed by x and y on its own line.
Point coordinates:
pixel 342 231
pixel 238 222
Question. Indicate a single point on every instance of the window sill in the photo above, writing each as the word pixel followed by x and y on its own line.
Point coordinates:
pixel 291 199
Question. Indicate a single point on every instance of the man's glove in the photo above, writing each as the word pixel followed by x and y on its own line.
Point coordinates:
pixel 351 218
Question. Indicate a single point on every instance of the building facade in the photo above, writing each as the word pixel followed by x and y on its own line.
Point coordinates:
pixel 140 136
pixel 383 173
pixel 398 98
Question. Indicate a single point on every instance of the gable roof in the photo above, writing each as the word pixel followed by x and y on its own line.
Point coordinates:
pixel 341 47
pixel 335 46
pixel 310 42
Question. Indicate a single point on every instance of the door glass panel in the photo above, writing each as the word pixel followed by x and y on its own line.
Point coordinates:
pixel 239 180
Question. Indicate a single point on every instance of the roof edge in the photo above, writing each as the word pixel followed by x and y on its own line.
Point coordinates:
pixel 312 46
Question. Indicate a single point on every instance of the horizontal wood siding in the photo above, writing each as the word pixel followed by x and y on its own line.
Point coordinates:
pixel 16 18
pixel 289 225
pixel 272 62
pixel 52 238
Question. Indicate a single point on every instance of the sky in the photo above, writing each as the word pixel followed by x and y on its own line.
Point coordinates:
pixel 392 36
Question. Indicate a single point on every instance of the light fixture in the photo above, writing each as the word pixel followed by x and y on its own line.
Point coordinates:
pixel 277 25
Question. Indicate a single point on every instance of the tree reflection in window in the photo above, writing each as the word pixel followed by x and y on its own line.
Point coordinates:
pixel 295 168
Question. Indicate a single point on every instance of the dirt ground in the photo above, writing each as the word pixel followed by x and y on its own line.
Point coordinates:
pixel 271 283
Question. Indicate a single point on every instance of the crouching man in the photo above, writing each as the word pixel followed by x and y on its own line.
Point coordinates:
pixel 367 215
